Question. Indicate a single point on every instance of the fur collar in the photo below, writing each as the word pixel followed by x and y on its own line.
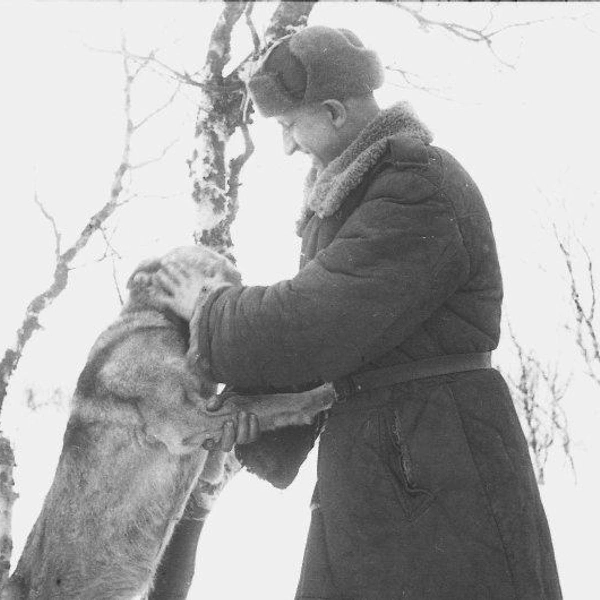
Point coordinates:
pixel 325 191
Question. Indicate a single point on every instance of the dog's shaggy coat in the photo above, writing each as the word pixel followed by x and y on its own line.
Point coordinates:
pixel 132 451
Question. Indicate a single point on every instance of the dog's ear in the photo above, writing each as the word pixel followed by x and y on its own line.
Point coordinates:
pixel 226 269
pixel 232 275
pixel 149 266
pixel 221 268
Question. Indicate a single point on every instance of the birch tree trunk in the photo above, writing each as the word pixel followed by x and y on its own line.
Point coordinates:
pixel 223 110
pixel 7 497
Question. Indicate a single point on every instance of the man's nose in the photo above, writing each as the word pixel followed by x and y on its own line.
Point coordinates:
pixel 289 143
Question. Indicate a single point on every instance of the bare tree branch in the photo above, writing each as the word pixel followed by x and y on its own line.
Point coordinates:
pixel 217 118
pixel 116 282
pixel 251 27
pixel 159 109
pixel 143 63
pixel 109 249
pixel 557 415
pixel 484 35
pixel 156 159
pixel 586 329
pixel 591 281
pixel 235 168
pixel 63 265
pixel 414 81
pixel 224 108
pixel 49 217
pixel 287 18
pixel 65 258
pixel 538 392
pixel 149 60
pixel 7 498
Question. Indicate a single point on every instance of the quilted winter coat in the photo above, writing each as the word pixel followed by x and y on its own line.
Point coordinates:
pixel 425 488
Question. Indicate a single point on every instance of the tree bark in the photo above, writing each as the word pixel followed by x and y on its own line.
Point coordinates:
pixel 7 497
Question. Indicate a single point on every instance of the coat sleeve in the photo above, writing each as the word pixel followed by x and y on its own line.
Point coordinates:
pixel 390 266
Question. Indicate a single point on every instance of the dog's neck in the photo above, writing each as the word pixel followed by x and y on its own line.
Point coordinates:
pixel 136 306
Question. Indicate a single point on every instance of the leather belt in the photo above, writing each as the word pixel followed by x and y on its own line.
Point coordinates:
pixel 410 371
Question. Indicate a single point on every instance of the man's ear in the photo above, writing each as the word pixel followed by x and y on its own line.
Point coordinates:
pixel 337 112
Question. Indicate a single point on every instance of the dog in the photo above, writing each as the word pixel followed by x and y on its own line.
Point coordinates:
pixel 133 449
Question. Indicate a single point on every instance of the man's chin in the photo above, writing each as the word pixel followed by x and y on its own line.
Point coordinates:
pixel 316 163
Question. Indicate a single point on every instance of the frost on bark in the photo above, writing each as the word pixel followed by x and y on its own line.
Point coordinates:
pixel 224 109
pixel 220 103
pixel 7 497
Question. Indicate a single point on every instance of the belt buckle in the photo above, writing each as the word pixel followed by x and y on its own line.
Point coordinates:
pixel 344 389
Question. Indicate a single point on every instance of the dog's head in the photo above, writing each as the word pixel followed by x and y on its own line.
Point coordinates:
pixel 217 271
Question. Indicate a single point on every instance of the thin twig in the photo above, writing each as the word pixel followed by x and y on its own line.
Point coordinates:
pixel 538 395
pixel 586 336
pixel 65 258
pixel 287 17
pixel 109 249
pixel 156 159
pixel 483 35
pixel 414 81
pixel 144 60
pixel 49 217
pixel 116 281
pixel 592 282
pixel 159 109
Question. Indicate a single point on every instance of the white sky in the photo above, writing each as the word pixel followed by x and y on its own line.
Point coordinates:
pixel 528 136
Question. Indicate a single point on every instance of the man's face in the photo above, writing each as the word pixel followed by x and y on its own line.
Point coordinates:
pixel 310 129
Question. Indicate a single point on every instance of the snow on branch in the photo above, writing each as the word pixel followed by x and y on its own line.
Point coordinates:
pixel 251 27
pixel 287 18
pixel 224 108
pixel 214 126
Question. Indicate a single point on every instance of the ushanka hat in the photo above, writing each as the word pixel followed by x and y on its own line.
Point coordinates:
pixel 315 64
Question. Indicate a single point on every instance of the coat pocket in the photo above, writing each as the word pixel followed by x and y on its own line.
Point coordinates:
pixel 414 498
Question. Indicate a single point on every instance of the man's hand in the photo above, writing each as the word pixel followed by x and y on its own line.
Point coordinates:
pixel 178 289
pixel 247 429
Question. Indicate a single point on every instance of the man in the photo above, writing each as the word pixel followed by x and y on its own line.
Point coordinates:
pixel 425 487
